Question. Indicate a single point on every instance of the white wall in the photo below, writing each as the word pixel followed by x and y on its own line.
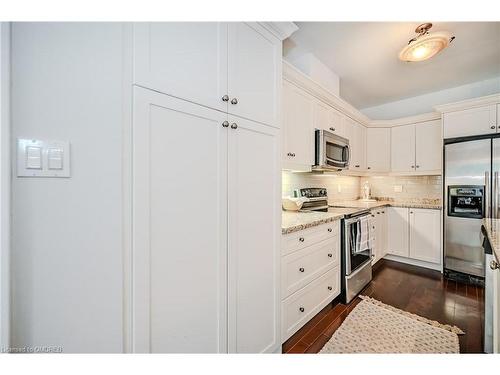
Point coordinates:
pixel 425 103
pixel 311 66
pixel 4 184
pixel 67 233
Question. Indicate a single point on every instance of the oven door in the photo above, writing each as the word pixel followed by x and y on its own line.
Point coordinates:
pixel 355 257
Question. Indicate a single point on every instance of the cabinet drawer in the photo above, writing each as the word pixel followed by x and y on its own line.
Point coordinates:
pixel 303 266
pixel 298 240
pixel 301 306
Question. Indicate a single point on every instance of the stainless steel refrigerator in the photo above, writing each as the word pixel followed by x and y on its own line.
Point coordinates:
pixel 471 188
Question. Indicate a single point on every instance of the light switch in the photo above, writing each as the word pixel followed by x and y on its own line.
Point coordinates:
pixel 55 158
pixel 33 157
pixel 43 158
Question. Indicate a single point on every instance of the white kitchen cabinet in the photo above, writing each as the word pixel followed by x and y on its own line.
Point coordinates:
pixel 298 137
pixel 328 118
pixel 403 148
pixel 380 243
pixel 378 149
pixel 417 148
pixel 206 280
pixel 398 229
pixel 233 67
pixel 357 144
pixel 472 121
pixel 179 251
pixel 425 235
pixel 254 180
pixel 187 60
pixel 254 78
pixel 428 146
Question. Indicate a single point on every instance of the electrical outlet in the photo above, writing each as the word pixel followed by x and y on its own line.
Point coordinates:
pixel 398 188
pixel 339 188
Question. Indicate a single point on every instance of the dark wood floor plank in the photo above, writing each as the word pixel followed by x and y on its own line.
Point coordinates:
pixel 414 289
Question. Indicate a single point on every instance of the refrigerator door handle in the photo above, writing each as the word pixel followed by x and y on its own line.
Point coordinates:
pixel 487 193
pixel 494 204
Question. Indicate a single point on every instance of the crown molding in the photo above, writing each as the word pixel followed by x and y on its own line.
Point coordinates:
pixel 430 116
pixel 295 76
pixel 468 103
pixel 281 30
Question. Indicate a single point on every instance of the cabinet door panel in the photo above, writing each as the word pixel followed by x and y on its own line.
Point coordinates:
pixel 473 121
pixel 328 118
pixel 254 78
pixel 398 231
pixel 298 117
pixel 378 149
pixel 357 143
pixel 425 235
pixel 429 146
pixel 179 258
pixel 403 148
pixel 187 60
pixel 254 227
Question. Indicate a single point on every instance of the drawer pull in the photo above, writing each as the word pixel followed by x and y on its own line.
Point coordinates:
pixel 330 288
pixel 301 269
pixel 329 229
pixel 330 255
pixel 301 239
pixel 301 309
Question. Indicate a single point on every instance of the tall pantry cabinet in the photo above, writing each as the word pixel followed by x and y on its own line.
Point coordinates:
pixel 206 188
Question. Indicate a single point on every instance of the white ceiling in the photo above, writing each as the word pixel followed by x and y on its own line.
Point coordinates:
pixel 365 56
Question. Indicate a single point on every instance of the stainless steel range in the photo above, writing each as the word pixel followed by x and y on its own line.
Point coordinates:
pixel 356 236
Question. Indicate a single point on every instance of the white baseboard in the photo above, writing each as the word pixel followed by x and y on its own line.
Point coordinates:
pixel 414 262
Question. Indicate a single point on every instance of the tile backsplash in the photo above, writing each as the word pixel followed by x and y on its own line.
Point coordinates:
pixel 350 187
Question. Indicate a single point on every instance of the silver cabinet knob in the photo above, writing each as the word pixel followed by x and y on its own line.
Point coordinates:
pixel 494 265
pixel 225 124
pixel 330 230
pixel 234 101
pixel 330 255
pixel 301 239
pixel 332 129
pixel 301 309
pixel 234 125
pixel 492 127
pixel 330 288
pixel 225 98
pixel 301 269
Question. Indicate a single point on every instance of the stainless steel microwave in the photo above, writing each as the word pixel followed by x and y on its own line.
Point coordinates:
pixel 331 151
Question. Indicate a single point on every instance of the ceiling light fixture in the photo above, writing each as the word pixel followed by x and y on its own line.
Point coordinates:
pixel 425 44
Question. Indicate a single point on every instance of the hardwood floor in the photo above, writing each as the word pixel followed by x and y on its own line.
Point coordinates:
pixel 414 289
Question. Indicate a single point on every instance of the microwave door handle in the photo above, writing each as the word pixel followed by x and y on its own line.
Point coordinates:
pixel 348 154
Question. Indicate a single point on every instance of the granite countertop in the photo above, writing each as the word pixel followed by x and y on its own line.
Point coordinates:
pixel 295 221
pixel 431 204
pixel 492 227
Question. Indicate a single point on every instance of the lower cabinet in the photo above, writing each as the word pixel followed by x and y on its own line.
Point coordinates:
pixel 379 246
pixel 415 233
pixel 194 263
pixel 310 274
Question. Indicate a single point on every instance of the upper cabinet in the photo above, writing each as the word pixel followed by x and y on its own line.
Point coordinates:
pixel 298 117
pixel 428 146
pixel 378 149
pixel 417 148
pixel 356 133
pixel 328 118
pixel 254 79
pixel 234 67
pixel 472 121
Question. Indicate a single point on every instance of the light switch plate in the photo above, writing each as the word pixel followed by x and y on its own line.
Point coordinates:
pixel 398 188
pixel 54 158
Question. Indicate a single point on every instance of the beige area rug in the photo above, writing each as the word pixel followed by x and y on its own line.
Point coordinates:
pixel 374 327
